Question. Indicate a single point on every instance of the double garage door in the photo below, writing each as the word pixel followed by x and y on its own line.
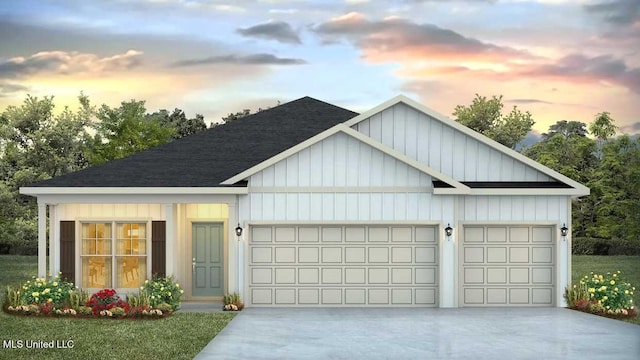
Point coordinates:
pixel 350 265
pixel 397 265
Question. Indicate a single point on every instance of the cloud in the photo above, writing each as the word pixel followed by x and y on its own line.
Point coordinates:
pixel 581 68
pixel 398 39
pixel 253 59
pixel 273 30
pixel 529 101
pixel 64 62
pixel 631 128
pixel 7 89
pixel 617 12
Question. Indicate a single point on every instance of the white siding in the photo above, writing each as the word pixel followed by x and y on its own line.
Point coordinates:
pixel 340 160
pixel 110 211
pixel 443 148
pixel 514 208
pixel 346 206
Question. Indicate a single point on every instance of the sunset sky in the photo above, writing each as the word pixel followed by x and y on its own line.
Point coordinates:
pixel 559 59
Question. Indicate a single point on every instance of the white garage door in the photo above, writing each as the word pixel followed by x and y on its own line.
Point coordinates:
pixel 350 265
pixel 507 266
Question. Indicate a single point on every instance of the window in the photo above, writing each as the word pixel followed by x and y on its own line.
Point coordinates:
pixel 106 253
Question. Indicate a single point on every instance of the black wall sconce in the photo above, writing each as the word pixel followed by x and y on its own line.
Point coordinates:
pixel 238 230
pixel 448 230
pixel 564 230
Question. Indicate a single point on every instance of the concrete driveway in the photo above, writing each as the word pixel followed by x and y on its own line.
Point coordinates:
pixel 403 333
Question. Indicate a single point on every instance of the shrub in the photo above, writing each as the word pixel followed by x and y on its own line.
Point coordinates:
pixel 85 311
pixel 232 302
pixel 105 299
pixel 595 308
pixel 610 290
pixel 42 290
pixel 133 300
pixel 12 297
pixel 577 295
pixel 164 307
pixel 162 289
pixel 596 246
pixel 117 311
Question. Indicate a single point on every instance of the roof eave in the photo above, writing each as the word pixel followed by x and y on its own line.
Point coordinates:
pixel 222 190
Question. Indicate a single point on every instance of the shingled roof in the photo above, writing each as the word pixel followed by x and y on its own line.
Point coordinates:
pixel 208 158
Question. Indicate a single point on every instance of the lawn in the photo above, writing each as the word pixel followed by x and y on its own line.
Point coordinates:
pixel 629 265
pixel 180 336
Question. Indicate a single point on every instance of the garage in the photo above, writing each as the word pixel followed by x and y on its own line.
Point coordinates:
pixel 507 265
pixel 343 265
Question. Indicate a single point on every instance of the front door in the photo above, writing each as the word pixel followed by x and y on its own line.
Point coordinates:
pixel 208 259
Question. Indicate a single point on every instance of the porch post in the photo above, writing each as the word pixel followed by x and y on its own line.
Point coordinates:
pixel 42 239
pixel 170 240
pixel 233 267
pixel 54 242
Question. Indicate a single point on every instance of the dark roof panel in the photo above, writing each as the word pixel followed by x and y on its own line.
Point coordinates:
pixel 208 158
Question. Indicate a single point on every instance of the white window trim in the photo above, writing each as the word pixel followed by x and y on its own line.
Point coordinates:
pixel 114 223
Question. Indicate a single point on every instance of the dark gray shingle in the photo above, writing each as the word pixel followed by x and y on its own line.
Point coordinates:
pixel 212 156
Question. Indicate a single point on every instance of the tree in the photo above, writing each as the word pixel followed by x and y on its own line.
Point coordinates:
pixel 126 130
pixel 178 120
pixel 485 116
pixel 238 115
pixel 36 145
pixel 602 127
pixel 566 129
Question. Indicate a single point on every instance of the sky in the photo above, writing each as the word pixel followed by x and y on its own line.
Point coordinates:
pixel 558 59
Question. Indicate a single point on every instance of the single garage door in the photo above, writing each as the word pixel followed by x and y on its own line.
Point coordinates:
pixel 343 265
pixel 507 266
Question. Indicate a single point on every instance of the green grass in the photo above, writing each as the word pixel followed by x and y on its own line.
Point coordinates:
pixel 628 265
pixel 180 336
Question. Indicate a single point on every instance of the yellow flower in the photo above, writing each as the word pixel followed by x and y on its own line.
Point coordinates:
pixel 35 294
pixel 169 294
pixel 146 281
pixel 626 292
pixel 162 288
pixel 55 283
pixel 574 286
pixel 49 300
pixel 615 275
pixel 616 289
pixel 601 277
pixel 592 295
pixel 46 291
pixel 177 285
pixel 604 298
pixel 592 290
pixel 181 291
pixel 612 282
pixel 141 287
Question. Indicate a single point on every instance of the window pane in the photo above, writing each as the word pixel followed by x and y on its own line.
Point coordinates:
pixel 138 246
pixel 131 239
pixel 131 271
pixel 96 272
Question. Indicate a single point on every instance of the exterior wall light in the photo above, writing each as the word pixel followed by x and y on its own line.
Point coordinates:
pixel 448 230
pixel 564 230
pixel 238 230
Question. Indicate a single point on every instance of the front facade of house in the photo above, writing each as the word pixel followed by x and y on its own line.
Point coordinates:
pixel 355 214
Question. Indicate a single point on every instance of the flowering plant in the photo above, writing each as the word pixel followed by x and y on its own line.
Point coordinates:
pixel 106 299
pixel 610 290
pixel 162 290
pixel 53 290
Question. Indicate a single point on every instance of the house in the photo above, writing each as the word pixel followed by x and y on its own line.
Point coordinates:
pixel 398 206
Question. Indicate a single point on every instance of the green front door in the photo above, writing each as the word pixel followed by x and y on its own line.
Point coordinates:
pixel 208 259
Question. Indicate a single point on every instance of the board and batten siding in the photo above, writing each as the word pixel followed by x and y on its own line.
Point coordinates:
pixel 110 211
pixel 443 148
pixel 514 208
pixel 340 160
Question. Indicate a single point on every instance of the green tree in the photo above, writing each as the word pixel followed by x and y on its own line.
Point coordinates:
pixel 36 144
pixel 566 129
pixel 126 130
pixel 485 116
pixel 178 120
pixel 603 126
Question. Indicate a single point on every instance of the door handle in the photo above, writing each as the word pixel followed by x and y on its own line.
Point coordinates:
pixel 193 265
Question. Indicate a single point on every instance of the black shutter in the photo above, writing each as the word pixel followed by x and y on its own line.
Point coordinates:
pixel 158 247
pixel 68 250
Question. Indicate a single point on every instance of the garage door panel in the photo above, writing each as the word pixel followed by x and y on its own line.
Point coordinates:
pixel 519 273
pixel 343 265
